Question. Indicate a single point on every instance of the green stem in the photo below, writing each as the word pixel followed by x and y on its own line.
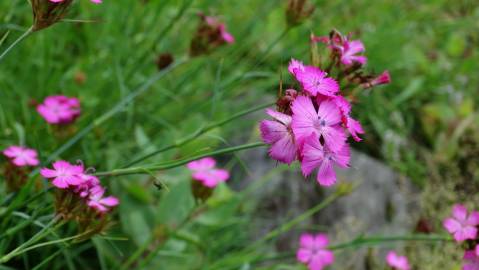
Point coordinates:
pixel 177 163
pixel 117 108
pixel 19 39
pixel 39 235
pixel 292 223
pixel 366 241
pixel 198 133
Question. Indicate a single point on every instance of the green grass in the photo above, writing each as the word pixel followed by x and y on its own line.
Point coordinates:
pixel 430 48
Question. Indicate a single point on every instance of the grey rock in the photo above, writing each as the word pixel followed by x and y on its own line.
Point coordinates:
pixel 384 203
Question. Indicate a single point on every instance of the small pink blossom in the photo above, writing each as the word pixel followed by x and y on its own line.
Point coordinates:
pixel 462 225
pixel 278 133
pixel 470 260
pixel 397 262
pixel 204 170
pixel 215 23
pixel 314 155
pixel 383 78
pixel 64 174
pixel 350 49
pixel 315 81
pixel 325 122
pixel 22 156
pixel 59 109
pixel 100 203
pixel 313 251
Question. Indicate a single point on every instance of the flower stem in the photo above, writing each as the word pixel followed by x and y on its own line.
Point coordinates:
pixel 18 40
pixel 198 133
pixel 39 235
pixel 177 163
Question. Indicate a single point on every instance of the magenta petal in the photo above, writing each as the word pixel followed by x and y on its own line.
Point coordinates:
pixel 202 164
pixel 321 241
pixel 326 175
pixel 48 173
pixel 110 201
pixel 60 183
pixel 329 112
pixel 459 211
pixel 306 241
pixel 284 150
pixel 303 255
pixel 473 219
pixel 272 131
pixel 313 155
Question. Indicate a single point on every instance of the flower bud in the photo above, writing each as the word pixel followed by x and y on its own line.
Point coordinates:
pixel 297 11
pixel 47 13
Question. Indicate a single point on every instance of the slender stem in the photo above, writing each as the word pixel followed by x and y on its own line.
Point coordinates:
pixel 117 108
pixel 177 163
pixel 198 133
pixel 292 223
pixel 366 241
pixel 39 235
pixel 19 39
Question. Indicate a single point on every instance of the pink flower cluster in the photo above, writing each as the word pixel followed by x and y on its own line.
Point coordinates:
pixel 312 125
pixel 397 262
pixel 22 156
pixel 93 1
pixel 59 110
pixel 74 178
pixel 463 226
pixel 204 170
pixel 313 251
pixel 315 132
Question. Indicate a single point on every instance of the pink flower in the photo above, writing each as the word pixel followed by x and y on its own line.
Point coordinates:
pixel 324 122
pixel 470 260
pixel 350 51
pixel 204 171
pixel 100 203
pixel 22 156
pixel 278 133
pixel 317 156
pixel 477 250
pixel 314 81
pixel 313 251
pixel 64 174
pixel 354 128
pixel 462 225
pixel 59 109
pixel 383 78
pixel 88 182
pixel 227 37
pixel 397 262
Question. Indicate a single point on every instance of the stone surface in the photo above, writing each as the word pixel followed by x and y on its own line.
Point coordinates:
pixel 383 203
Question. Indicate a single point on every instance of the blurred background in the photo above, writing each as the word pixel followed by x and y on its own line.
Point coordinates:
pixel 419 155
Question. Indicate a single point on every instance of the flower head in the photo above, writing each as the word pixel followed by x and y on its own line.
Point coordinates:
pixel 314 155
pixel 279 134
pixel 59 109
pixel 315 81
pixel 313 251
pixel 100 203
pixel 397 262
pixel 21 156
pixel 462 225
pixel 204 170
pixel 64 174
pixel 470 260
pixel 324 122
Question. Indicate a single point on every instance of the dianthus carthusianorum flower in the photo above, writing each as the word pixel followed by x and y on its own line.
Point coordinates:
pixel 21 156
pixel 462 225
pixel 204 170
pixel 313 251
pixel 59 109
pixel 397 262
